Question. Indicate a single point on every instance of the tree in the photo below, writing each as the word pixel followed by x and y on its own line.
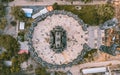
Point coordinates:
pixel 86 1
pixel 23 57
pixel 7 0
pixel 10 44
pixel 18 13
pixel 5 56
pixel 15 68
pixel 13 23
pixel 55 6
pixel 15 65
pixel 3 23
pixel 89 56
pixel 41 71
pixel 105 12
pixel 60 73
pixel 2 10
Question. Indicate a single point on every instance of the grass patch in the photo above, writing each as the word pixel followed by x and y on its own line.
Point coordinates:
pixel 90 14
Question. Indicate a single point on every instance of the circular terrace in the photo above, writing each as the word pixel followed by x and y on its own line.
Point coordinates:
pixel 39 39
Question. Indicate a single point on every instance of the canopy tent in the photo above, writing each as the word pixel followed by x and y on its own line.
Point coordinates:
pixel 28 12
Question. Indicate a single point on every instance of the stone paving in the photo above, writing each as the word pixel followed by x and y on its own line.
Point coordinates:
pixel 75 40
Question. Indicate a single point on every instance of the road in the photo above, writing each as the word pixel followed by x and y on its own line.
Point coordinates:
pixel 51 2
pixel 75 70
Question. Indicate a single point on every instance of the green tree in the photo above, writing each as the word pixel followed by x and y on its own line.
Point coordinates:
pixel 15 65
pixel 5 56
pixel 3 23
pixel 41 71
pixel 13 23
pixel 7 0
pixel 23 57
pixel 55 6
pixel 2 10
pixel 18 13
pixel 60 73
pixel 86 1
pixel 10 44
pixel 105 12
pixel 89 56
pixel 15 69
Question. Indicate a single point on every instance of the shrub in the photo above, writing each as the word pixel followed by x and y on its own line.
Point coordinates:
pixel 13 23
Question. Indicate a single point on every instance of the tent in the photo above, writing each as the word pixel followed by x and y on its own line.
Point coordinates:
pixel 28 12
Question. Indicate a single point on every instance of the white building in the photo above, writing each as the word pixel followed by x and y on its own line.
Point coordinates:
pixel 96 70
pixel 41 12
pixel 22 26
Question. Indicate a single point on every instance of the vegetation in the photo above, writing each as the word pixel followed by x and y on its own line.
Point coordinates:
pixel 12 47
pixel 23 57
pixel 7 0
pixel 89 56
pixel 9 43
pixel 21 35
pixel 90 14
pixel 13 23
pixel 2 10
pixel 3 21
pixel 86 1
pixel 60 73
pixel 18 13
pixel 105 12
pixel 41 71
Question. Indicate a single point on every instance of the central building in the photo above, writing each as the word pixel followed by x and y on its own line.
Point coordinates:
pixel 58 39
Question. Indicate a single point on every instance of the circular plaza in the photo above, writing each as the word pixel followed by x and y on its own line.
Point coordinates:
pixel 39 41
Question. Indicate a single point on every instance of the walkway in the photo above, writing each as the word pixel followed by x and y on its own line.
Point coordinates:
pixel 51 2
pixel 75 70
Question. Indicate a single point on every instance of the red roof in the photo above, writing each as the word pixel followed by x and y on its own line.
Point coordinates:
pixel 23 51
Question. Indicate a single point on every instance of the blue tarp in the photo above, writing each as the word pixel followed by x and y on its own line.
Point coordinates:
pixel 28 15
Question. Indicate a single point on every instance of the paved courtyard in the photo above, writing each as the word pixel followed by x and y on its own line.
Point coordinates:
pixel 95 37
pixel 75 39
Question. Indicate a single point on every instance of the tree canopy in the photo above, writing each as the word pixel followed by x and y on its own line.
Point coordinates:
pixel 12 47
pixel 86 1
pixel 18 13
pixel 2 10
pixel 3 23
pixel 9 43
pixel 7 0
pixel 41 71
pixel 105 12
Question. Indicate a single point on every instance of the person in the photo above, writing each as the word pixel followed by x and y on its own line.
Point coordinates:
pixel 71 2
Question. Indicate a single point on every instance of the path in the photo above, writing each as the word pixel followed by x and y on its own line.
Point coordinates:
pixel 51 2
pixel 75 70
